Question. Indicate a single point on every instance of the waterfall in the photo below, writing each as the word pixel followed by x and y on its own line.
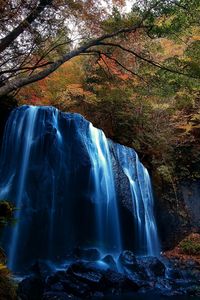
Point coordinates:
pixel 104 195
pixel 24 134
pixel 142 201
pixel 60 173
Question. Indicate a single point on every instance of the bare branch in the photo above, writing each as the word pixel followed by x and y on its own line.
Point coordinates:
pixel 105 64
pixel 25 68
pixel 153 63
pixel 14 84
pixel 116 61
pixel 17 83
pixel 6 41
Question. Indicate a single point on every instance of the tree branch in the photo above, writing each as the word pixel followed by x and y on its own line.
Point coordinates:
pixel 6 41
pixel 153 63
pixel 116 61
pixel 25 68
pixel 14 84
pixel 19 82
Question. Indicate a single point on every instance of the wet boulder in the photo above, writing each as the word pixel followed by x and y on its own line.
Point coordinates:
pixel 129 264
pixel 87 273
pixel 55 278
pixel 109 260
pixel 153 266
pixel 41 268
pixel 76 287
pixel 31 288
pixel 118 282
pixel 127 259
pixel 64 282
pixel 91 254
pixel 101 279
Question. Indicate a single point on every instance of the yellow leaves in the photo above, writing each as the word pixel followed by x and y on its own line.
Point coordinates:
pixel 196 38
pixel 4 270
pixel 2 267
pixel 165 20
pixel 157 105
pixel 170 49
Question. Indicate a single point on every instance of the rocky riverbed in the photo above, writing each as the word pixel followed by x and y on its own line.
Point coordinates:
pixel 90 275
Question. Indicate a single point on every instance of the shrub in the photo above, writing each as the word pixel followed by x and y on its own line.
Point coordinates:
pixel 191 245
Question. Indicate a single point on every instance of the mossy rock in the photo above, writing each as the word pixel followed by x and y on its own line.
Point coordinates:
pixel 191 245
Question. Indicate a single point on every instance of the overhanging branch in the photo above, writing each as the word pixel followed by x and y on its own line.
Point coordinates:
pixel 19 82
pixel 116 61
pixel 151 62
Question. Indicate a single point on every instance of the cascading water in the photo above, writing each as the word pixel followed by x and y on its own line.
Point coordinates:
pixel 58 170
pixel 142 201
pixel 104 195
pixel 25 129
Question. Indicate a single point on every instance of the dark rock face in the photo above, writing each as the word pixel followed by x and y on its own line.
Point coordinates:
pixel 191 197
pixel 7 104
pixel 172 218
pixel 177 214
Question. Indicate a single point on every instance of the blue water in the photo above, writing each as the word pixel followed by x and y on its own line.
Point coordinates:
pixel 25 129
pixel 142 201
pixel 104 194
pixel 60 173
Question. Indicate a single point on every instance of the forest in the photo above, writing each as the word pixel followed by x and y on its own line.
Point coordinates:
pixel 100 149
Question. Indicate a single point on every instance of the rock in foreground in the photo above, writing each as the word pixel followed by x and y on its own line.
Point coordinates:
pixel 87 279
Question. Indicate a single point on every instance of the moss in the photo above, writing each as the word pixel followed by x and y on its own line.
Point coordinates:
pixel 191 245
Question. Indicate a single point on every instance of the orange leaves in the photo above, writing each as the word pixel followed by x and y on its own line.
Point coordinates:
pixel 119 64
pixel 112 66
pixel 67 79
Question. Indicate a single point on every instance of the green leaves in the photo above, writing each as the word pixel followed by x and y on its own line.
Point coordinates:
pixel 118 20
pixel 191 245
